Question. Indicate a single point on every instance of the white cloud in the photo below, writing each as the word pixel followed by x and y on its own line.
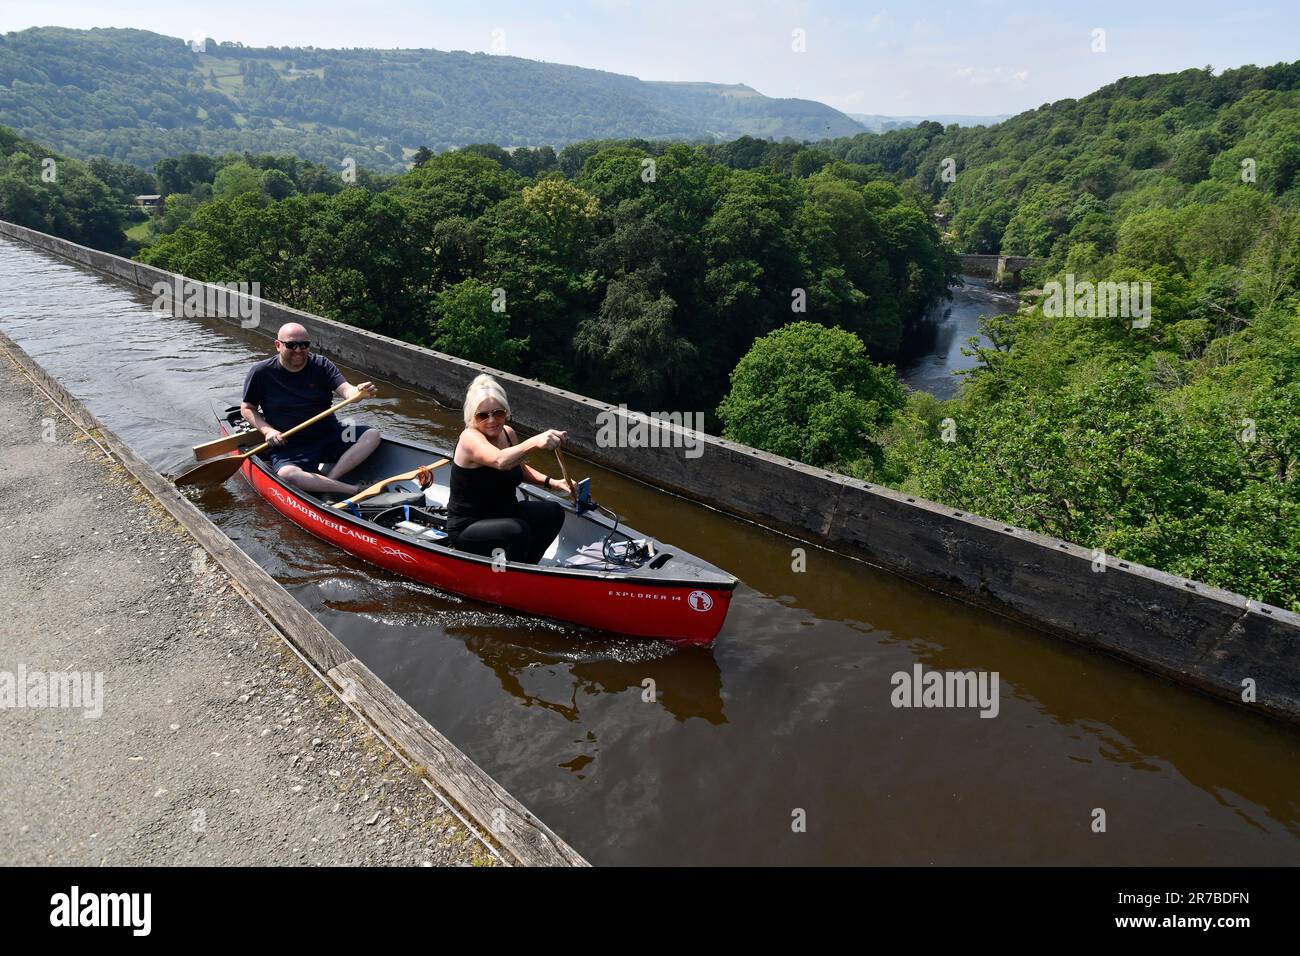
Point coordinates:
pixel 991 76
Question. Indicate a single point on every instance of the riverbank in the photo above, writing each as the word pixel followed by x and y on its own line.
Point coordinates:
pixel 215 744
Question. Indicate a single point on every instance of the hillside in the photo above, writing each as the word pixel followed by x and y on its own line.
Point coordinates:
pixel 1072 171
pixel 1168 436
pixel 136 96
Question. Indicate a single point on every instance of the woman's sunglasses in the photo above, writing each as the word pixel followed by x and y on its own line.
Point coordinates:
pixel 498 413
pixel 295 345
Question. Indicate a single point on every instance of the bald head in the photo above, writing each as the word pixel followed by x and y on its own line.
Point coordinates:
pixel 291 343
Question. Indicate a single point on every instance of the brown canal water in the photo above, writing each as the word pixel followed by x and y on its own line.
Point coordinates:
pixel 789 711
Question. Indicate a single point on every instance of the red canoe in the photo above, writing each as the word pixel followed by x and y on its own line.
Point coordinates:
pixel 597 573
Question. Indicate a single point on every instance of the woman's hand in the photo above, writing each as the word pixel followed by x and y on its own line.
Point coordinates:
pixel 562 486
pixel 548 439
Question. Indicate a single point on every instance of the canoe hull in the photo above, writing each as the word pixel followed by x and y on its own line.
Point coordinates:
pixel 679 612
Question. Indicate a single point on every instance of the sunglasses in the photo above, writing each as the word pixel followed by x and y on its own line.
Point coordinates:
pixel 498 413
pixel 295 345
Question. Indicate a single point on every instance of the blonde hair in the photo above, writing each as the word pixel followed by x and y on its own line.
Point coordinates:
pixel 483 386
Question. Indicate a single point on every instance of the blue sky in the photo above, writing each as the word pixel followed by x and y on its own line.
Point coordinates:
pixel 978 57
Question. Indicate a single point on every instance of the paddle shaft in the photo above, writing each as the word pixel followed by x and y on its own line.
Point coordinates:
pixel 308 423
pixel 219 469
pixel 379 486
pixel 573 492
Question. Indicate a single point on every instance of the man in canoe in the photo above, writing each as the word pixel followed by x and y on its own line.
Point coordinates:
pixel 483 513
pixel 289 388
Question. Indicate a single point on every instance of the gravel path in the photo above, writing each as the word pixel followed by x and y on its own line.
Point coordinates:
pixel 215 745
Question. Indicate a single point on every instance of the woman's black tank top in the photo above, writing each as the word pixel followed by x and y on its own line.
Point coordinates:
pixel 478 493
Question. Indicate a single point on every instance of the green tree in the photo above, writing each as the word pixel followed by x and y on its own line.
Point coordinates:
pixel 235 180
pixel 565 216
pixel 810 393
pixel 277 185
pixel 634 348
pixel 467 327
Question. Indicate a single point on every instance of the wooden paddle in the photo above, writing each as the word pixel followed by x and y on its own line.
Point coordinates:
pixel 379 486
pixel 573 491
pixel 219 446
pixel 573 495
pixel 218 470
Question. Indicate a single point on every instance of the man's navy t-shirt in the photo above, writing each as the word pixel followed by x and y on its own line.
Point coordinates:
pixel 290 398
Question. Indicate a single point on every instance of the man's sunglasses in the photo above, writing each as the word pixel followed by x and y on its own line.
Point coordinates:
pixel 498 413
pixel 295 345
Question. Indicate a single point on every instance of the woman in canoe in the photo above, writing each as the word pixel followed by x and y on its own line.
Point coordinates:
pixel 483 513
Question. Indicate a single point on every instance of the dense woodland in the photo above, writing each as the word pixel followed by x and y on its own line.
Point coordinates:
pixel 643 277
pixel 1176 444
pixel 44 190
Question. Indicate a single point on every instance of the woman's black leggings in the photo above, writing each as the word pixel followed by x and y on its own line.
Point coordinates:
pixel 524 536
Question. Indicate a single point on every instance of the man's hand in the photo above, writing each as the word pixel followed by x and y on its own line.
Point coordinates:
pixel 368 389
pixel 273 437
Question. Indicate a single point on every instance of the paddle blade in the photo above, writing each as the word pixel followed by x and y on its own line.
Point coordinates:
pixel 220 446
pixel 212 472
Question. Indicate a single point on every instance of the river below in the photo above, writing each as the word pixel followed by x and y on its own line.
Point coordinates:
pixel 935 348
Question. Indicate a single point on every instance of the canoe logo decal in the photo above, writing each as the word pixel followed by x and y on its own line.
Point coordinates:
pixel 644 595
pixel 394 551
pixel 311 513
pixel 700 601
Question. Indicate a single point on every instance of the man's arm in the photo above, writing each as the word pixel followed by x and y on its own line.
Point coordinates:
pixel 253 416
pixel 250 408
pixel 346 391
pixel 339 384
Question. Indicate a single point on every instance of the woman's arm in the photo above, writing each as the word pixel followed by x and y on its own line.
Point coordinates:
pixel 480 451
pixel 531 474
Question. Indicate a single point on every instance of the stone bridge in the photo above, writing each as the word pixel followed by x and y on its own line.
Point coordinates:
pixel 999 268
